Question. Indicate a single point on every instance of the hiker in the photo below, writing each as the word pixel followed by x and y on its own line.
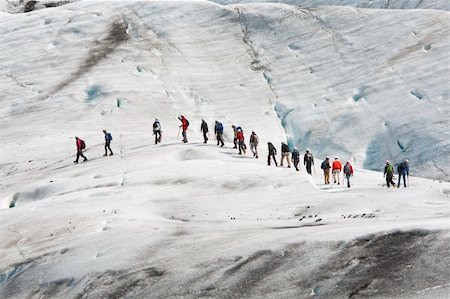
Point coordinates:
pixel 204 129
pixel 285 153
pixel 254 140
pixel 348 172
pixel 336 169
pixel 218 130
pixel 184 126
pixel 272 153
pixel 296 158
pixel 389 174
pixel 403 170
pixel 308 160
pixel 235 140
pixel 326 170
pixel 108 139
pixel 157 131
pixel 81 145
pixel 241 142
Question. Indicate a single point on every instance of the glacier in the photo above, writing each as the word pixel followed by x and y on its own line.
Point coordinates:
pixel 360 80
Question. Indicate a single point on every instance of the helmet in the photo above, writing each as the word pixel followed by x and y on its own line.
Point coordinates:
pixel 327 157
pixel 407 161
pixel 387 161
pixel 307 149
pixel 295 147
pixel 335 158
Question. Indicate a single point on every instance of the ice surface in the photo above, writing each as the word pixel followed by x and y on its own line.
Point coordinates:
pixel 191 220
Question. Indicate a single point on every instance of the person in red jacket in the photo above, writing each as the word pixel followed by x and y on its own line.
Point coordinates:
pixel 240 139
pixel 184 126
pixel 336 169
pixel 348 172
pixel 80 147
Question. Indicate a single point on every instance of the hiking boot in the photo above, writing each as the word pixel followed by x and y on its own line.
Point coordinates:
pixel 111 154
pixel 85 159
pixel 105 155
pixel 76 162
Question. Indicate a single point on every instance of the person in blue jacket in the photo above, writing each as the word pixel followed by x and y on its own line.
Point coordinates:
pixel 218 130
pixel 403 170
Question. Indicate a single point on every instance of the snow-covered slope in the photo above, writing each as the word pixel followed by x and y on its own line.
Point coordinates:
pixel 195 220
pixel 341 83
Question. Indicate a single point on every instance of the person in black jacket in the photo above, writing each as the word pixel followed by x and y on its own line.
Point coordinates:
pixel 296 158
pixel 308 160
pixel 157 131
pixel 272 153
pixel 285 153
pixel 326 170
pixel 204 129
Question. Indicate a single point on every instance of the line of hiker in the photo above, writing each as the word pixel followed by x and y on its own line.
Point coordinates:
pixel 328 168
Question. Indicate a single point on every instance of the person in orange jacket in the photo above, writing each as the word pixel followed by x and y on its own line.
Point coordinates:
pixel 240 139
pixel 184 126
pixel 348 172
pixel 336 169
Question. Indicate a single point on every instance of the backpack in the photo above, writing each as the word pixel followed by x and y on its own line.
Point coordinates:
pixel 219 127
pixel 309 157
pixel 324 165
pixel 155 125
pixel 187 122
pixel 389 169
pixel 347 168
pixel 83 144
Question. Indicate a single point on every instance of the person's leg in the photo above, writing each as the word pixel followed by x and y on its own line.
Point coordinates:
pixel 109 147
pixel 268 159
pixel 184 136
pixel 78 156
pixel 404 180
pixel 256 151
pixel 288 160
pixel 218 138
pixel 328 176
pixel 106 149
pixel 399 180
pixel 81 154
pixel 348 181
pixel 275 159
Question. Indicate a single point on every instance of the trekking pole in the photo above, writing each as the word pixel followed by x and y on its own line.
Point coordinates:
pixel 179 130
pixel 314 167
pixel 408 181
